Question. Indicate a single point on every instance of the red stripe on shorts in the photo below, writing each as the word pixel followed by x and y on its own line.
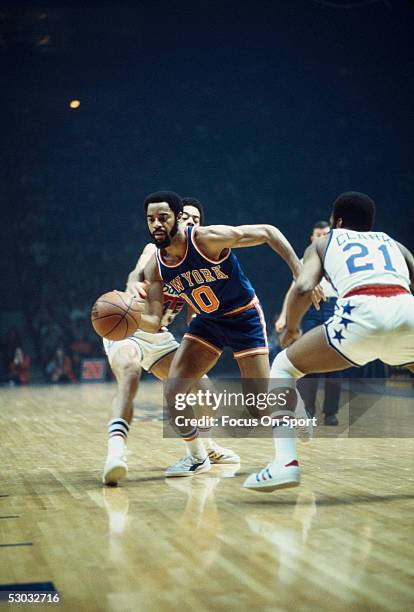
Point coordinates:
pixel 377 290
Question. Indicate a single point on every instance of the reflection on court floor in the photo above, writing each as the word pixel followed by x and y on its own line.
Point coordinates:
pixel 343 540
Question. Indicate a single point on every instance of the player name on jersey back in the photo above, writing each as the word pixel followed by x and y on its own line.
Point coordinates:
pixel 353 259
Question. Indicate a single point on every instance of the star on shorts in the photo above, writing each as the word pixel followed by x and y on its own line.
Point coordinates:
pixel 347 309
pixel 338 336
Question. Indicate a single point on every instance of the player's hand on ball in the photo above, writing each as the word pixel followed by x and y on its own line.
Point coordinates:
pixel 317 296
pixel 289 336
pixel 136 300
pixel 138 289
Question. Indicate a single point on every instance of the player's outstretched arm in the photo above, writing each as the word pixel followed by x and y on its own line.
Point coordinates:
pixel 409 259
pixel 253 235
pixel 214 238
pixel 301 294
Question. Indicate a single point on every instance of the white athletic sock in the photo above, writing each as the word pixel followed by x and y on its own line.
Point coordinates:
pixel 117 437
pixel 196 448
pixel 284 437
pixel 204 432
pixel 209 443
pixel 284 440
pixel 194 445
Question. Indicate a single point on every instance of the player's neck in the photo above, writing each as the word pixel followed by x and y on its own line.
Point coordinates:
pixel 177 248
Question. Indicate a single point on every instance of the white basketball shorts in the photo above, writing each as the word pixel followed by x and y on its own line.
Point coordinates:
pixel 365 328
pixel 151 347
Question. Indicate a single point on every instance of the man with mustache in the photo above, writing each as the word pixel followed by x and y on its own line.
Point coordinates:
pixel 152 352
pixel 198 264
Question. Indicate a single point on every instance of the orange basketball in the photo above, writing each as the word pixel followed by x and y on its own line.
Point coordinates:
pixel 116 315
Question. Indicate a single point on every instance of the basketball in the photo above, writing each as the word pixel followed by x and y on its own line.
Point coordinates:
pixel 116 315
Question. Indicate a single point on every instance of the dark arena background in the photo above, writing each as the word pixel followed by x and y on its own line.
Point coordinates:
pixel 265 111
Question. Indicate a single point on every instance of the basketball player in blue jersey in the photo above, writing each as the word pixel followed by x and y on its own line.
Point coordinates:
pixel 152 352
pixel 199 265
pixel 374 318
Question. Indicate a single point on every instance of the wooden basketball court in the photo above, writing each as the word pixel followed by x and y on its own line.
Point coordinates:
pixel 341 541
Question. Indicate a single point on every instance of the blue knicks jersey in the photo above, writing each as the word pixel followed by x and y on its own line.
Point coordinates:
pixel 212 288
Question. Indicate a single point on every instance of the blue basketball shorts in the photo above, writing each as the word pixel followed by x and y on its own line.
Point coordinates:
pixel 243 330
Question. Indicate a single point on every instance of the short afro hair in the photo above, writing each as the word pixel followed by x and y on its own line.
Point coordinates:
pixel 356 210
pixel 173 200
pixel 197 204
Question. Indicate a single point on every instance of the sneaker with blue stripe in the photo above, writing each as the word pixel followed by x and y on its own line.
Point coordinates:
pixel 274 477
pixel 188 466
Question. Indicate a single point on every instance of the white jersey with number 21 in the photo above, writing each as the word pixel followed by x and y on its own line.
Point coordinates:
pixel 353 259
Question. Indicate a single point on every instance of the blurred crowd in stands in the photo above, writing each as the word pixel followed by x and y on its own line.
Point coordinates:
pixel 59 340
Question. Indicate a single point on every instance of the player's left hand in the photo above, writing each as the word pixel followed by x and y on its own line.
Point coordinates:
pixel 289 337
pixel 139 298
pixel 317 296
pixel 138 289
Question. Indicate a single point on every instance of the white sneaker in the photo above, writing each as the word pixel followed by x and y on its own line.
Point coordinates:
pixel 218 454
pixel 115 469
pixel 274 477
pixel 188 466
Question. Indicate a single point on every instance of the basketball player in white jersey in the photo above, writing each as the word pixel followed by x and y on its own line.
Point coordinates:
pixel 374 319
pixel 313 317
pixel 151 352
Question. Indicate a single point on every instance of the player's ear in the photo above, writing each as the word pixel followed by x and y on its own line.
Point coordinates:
pixel 178 217
pixel 339 222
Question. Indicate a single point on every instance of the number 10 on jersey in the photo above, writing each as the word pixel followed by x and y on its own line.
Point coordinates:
pixel 204 297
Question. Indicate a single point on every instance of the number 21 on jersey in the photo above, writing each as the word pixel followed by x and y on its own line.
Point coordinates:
pixel 360 260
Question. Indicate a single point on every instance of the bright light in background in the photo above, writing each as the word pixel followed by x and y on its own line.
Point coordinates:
pixel 74 104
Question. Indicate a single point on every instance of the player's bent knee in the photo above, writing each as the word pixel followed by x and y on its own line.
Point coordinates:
pixel 282 367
